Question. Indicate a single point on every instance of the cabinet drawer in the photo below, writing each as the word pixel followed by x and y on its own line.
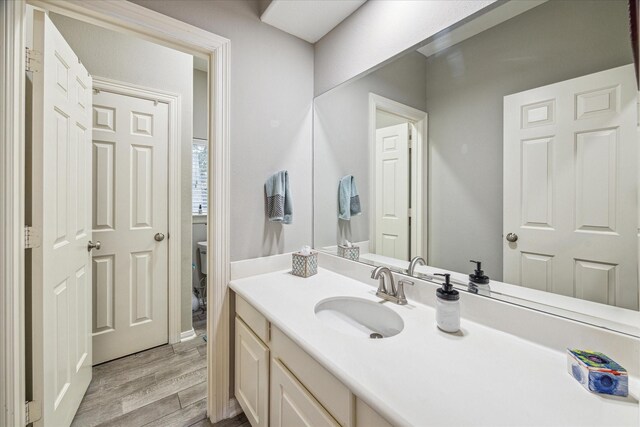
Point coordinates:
pixel 252 375
pixel 252 317
pixel 291 403
pixel 330 392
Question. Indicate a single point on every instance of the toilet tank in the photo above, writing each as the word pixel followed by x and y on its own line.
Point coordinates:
pixel 202 249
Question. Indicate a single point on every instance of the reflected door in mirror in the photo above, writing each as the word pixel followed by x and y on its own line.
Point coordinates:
pixel 570 177
pixel 392 191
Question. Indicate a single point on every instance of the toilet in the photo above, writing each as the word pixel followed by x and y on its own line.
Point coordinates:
pixel 202 248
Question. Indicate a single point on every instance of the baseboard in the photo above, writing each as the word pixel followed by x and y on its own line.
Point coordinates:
pixel 188 335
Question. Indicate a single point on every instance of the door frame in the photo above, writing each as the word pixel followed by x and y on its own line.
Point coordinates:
pixel 132 19
pixel 419 152
pixel 174 201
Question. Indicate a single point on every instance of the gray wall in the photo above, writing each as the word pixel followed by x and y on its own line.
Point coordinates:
pixel 466 84
pixel 132 60
pixel 341 142
pixel 271 119
pixel 200 104
pixel 380 30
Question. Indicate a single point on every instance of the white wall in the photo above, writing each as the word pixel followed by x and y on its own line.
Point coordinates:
pixel 341 142
pixel 380 30
pixel 128 59
pixel 271 119
pixel 466 83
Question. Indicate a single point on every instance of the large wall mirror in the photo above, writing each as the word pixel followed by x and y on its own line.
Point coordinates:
pixel 512 141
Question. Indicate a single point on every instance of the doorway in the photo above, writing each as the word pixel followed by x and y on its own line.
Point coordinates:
pixel 392 177
pixel 397 165
pixel 75 156
pixel 132 19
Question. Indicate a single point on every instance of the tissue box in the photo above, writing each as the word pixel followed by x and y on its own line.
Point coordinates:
pixel 597 372
pixel 352 253
pixel 304 265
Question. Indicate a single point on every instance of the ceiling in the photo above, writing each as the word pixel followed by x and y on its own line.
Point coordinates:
pixel 309 20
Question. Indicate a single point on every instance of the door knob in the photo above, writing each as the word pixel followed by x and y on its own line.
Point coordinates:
pixel 95 245
pixel 512 237
pixel 159 237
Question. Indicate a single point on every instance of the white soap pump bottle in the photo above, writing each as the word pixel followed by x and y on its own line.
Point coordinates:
pixel 447 306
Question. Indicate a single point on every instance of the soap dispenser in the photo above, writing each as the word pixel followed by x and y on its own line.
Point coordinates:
pixel 447 306
pixel 478 275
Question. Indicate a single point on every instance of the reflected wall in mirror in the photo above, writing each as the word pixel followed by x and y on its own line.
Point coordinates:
pixel 516 146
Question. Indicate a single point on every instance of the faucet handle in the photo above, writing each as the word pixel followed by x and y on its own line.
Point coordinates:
pixel 402 299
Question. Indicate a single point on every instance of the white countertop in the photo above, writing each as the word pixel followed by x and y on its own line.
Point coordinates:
pixel 424 376
pixel 602 315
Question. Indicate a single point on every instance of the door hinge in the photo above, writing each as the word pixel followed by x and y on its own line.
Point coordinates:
pixel 31 60
pixel 31 237
pixel 32 412
pixel 410 212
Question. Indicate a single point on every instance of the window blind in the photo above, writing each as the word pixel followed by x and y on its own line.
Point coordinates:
pixel 199 176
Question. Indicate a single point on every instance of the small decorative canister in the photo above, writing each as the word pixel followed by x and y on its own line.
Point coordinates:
pixel 349 252
pixel 304 263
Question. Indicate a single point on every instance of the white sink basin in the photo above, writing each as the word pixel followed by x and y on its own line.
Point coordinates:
pixel 359 317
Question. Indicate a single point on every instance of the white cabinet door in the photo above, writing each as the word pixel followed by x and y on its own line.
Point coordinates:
pixel 291 404
pixel 570 188
pixel 367 417
pixel 61 210
pixel 130 196
pixel 252 375
pixel 392 191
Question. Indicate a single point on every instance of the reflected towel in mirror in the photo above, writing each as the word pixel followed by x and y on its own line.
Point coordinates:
pixel 279 203
pixel 348 198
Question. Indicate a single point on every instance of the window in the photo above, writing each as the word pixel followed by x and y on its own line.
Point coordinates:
pixel 199 176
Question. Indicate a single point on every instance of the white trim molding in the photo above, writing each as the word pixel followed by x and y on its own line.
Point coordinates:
pixel 174 200
pixel 12 167
pixel 218 237
pixel 132 19
pixel 419 162
pixel 188 335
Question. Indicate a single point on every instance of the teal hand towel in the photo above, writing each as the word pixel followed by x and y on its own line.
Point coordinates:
pixel 279 203
pixel 348 198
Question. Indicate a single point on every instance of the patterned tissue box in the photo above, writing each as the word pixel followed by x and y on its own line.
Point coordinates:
pixel 597 372
pixel 304 265
pixel 352 253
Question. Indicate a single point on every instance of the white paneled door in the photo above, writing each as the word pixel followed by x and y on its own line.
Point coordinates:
pixel 60 210
pixel 570 180
pixel 130 219
pixel 392 191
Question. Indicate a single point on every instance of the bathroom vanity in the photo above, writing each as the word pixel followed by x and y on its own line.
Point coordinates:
pixel 297 365
pixel 510 140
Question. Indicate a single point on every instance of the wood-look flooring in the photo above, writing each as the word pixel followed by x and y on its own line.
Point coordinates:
pixel 165 386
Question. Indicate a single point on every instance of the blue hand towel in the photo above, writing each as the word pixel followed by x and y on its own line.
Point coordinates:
pixel 348 198
pixel 279 204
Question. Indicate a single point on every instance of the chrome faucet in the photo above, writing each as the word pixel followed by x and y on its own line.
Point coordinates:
pixel 415 261
pixel 389 293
